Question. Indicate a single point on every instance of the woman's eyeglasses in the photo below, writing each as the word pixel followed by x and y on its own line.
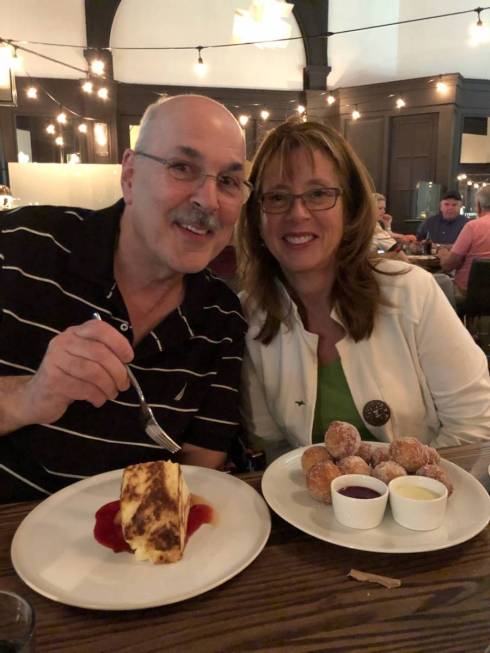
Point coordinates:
pixel 317 199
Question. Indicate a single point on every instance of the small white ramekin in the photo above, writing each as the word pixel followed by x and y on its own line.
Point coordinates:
pixel 359 513
pixel 418 514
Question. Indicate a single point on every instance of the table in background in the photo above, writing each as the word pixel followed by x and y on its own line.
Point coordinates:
pixel 295 596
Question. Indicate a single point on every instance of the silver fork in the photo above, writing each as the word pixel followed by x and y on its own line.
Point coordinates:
pixel 151 426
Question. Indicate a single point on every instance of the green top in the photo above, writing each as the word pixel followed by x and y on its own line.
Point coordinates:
pixel 334 402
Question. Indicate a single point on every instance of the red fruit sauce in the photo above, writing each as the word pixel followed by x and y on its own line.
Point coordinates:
pixel 109 533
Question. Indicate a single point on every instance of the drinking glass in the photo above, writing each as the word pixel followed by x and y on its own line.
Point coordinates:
pixel 17 621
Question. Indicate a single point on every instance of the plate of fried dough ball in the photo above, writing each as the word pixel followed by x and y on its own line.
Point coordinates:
pixel 297 487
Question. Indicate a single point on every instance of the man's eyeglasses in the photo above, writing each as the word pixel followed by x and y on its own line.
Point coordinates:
pixel 229 186
pixel 316 199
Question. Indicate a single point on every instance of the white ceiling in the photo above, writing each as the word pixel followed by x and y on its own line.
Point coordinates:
pixel 397 52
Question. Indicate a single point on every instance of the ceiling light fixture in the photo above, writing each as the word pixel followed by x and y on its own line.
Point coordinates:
pixel 200 68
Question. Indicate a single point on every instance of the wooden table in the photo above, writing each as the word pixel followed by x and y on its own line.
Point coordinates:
pixel 428 262
pixel 295 596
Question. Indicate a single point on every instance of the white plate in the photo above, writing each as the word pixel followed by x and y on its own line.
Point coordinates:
pixel 55 553
pixel 284 489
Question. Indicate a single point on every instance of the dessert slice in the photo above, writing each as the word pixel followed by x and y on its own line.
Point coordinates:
pixel 155 502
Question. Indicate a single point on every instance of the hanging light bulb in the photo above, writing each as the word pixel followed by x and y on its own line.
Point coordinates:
pixel 88 86
pixel 61 118
pixel 32 92
pixel 82 128
pixel 243 120
pixel 200 68
pixel 356 114
pixel 441 86
pixel 97 66
pixel 103 93
pixel 59 141
pixel 51 128
pixel 479 33
pixel 330 99
pixel 400 103
pixel 300 109
pixel 469 182
pixel 15 62
pixel 264 114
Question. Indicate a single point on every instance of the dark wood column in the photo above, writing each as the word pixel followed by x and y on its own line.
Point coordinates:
pixel 312 19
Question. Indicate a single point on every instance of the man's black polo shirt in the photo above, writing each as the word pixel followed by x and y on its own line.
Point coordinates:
pixel 56 270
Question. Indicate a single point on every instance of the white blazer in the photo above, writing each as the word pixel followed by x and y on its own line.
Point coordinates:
pixel 420 360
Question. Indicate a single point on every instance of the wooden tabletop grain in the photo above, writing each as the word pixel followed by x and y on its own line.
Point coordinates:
pixel 296 596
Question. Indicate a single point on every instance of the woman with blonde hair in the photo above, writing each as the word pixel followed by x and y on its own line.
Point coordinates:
pixel 336 333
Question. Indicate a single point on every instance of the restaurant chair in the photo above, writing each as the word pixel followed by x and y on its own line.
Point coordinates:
pixel 477 304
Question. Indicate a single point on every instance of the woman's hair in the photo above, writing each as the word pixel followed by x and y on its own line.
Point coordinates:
pixel 355 292
pixel 379 198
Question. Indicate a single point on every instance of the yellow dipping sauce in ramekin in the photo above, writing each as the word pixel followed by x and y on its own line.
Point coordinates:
pixel 416 492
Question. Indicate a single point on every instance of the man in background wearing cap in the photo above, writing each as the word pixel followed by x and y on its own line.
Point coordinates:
pixel 473 242
pixel 444 227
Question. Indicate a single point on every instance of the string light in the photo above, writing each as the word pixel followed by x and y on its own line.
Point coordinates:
pixel 441 87
pixel 82 128
pixel 97 66
pixel 59 141
pixel 31 92
pixel 15 61
pixel 61 118
pixel 264 114
pixel 243 120
pixel 51 129
pixel 400 103
pixel 200 68
pixel 479 33
pixel 300 109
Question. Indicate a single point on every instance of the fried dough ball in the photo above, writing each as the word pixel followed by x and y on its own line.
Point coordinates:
pixel 433 456
pixel 409 453
pixel 365 451
pixel 318 480
pixel 379 455
pixel 354 465
pixel 387 470
pixel 342 439
pixel 313 455
pixel 435 471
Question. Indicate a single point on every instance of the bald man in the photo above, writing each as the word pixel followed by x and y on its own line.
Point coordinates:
pixel 67 410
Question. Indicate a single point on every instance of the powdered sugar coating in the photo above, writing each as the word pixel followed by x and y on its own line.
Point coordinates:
pixel 354 465
pixel 379 455
pixel 436 472
pixel 387 470
pixel 319 478
pixel 365 451
pixel 342 439
pixel 409 453
pixel 433 457
pixel 313 455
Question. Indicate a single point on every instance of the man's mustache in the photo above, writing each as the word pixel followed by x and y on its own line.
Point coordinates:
pixel 196 217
